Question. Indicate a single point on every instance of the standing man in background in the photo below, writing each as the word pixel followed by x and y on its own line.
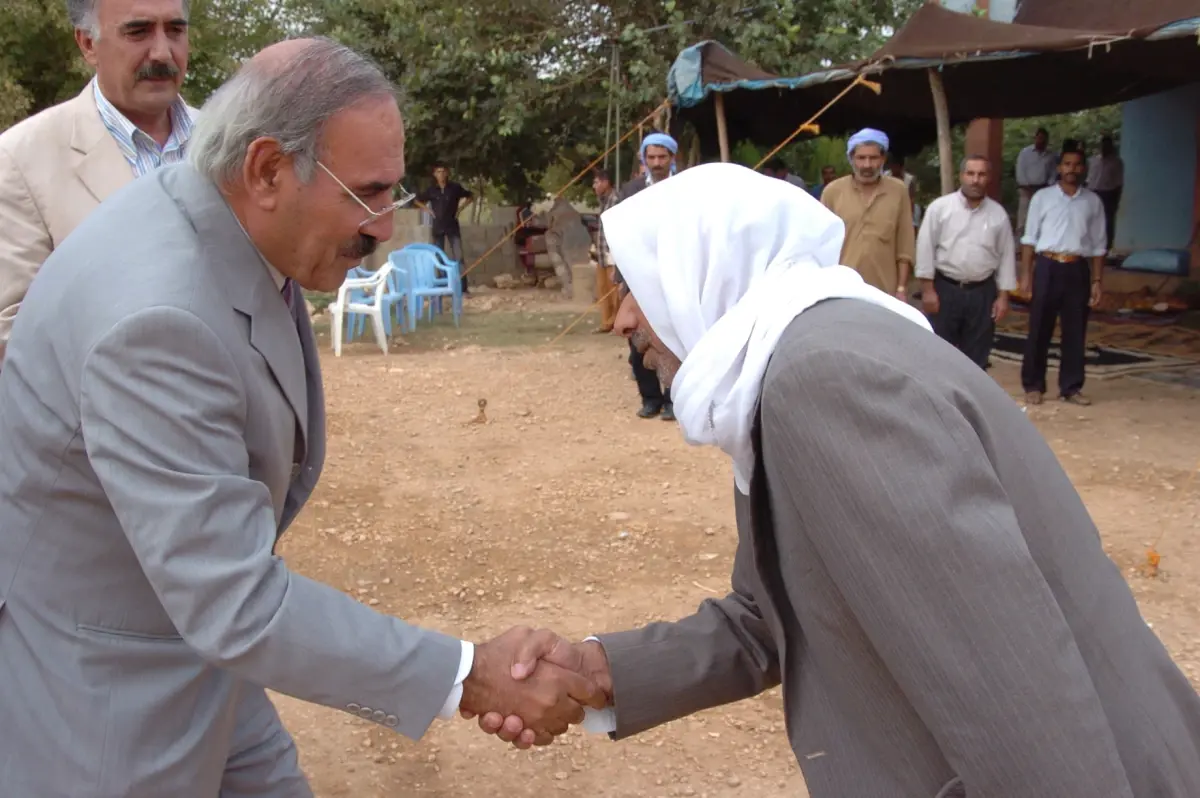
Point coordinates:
pixel 1035 171
pixel 967 263
pixel 880 239
pixel 444 200
pixel 828 175
pixel 58 165
pixel 606 294
pixel 658 163
pixel 1106 177
pixel 1065 231
pixel 777 168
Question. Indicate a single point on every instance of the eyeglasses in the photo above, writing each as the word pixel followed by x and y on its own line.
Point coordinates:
pixel 406 197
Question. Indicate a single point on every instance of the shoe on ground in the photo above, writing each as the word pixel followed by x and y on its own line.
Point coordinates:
pixel 668 413
pixel 649 410
pixel 1077 399
pixel 1033 398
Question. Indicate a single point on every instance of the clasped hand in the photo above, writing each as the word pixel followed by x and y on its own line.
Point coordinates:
pixel 527 687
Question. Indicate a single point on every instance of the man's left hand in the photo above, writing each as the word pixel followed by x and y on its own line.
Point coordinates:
pixel 1000 308
pixel 1097 294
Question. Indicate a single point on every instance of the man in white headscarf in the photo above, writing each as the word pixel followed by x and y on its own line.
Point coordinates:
pixel 913 564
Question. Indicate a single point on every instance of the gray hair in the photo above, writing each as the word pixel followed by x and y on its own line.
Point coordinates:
pixel 290 101
pixel 82 14
pixel 962 167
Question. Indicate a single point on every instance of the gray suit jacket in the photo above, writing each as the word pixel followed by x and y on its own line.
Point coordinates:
pixel 918 571
pixel 161 423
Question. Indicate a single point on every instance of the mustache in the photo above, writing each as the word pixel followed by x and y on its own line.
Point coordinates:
pixel 157 70
pixel 361 247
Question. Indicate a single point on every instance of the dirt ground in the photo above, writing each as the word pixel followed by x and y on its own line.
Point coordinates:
pixel 566 511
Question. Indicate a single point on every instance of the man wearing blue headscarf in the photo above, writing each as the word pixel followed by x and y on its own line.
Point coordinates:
pixel 880 240
pixel 658 163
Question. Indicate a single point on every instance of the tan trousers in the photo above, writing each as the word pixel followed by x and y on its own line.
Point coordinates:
pixel 606 294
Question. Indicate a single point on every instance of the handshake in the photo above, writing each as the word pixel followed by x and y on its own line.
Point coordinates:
pixel 527 687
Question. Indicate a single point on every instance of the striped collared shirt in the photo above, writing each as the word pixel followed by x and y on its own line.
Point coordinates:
pixel 140 150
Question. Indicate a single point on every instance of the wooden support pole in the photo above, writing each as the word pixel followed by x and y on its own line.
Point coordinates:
pixel 722 130
pixel 941 110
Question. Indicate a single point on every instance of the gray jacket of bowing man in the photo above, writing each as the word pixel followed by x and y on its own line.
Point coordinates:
pixel 162 422
pixel 921 647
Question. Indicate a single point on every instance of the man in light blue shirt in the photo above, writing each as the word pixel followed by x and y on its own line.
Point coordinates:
pixel 1066 232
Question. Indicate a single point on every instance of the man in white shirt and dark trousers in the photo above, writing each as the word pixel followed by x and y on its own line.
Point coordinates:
pixel 967 263
pixel 1035 170
pixel 1066 230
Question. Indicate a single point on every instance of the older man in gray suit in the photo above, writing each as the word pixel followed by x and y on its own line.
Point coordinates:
pixel 162 422
pixel 913 564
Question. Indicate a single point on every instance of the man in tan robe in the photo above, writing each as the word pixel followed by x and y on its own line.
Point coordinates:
pixel 880 240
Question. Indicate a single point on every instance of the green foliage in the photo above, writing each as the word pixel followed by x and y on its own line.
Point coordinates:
pixel 519 89
pixel 39 62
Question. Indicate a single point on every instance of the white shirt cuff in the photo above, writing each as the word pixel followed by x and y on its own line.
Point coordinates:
pixel 450 708
pixel 599 721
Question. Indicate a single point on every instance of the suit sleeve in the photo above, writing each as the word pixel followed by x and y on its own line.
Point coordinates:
pixel 24 244
pixel 899 498
pixel 163 414
pixel 721 654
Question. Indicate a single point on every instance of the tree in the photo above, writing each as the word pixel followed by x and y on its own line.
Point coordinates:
pixel 39 62
pixel 507 89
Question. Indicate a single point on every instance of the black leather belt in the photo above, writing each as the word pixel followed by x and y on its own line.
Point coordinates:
pixel 964 284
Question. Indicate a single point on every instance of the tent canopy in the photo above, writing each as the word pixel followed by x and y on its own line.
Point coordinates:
pixel 990 69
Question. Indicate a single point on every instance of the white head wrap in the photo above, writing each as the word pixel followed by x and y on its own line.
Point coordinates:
pixel 719 279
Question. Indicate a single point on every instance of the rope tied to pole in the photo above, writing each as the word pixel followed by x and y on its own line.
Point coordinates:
pixel 571 182
pixel 810 126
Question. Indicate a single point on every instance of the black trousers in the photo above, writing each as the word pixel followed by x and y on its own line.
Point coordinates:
pixel 647 380
pixel 1111 200
pixel 964 316
pixel 1061 292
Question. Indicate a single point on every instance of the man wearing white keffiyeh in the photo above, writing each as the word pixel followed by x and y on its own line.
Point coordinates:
pixel 913 564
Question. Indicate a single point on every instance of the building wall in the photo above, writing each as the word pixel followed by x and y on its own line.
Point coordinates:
pixel 1158 145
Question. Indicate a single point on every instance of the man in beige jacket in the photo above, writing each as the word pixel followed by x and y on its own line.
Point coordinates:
pixel 58 165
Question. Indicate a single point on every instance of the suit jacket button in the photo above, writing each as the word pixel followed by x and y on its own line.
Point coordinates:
pixel 352 707
pixel 377 716
pixel 392 721
pixel 364 713
pixel 295 470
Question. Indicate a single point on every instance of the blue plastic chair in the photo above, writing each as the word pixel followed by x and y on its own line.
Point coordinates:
pixel 429 275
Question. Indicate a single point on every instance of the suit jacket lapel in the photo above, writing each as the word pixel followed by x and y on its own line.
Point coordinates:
pixel 274 333
pixel 242 273
pixel 102 168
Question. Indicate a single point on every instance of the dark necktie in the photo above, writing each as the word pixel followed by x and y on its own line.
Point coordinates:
pixel 287 292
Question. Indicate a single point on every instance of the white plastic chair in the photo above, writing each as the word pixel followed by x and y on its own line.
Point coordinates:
pixel 363 295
